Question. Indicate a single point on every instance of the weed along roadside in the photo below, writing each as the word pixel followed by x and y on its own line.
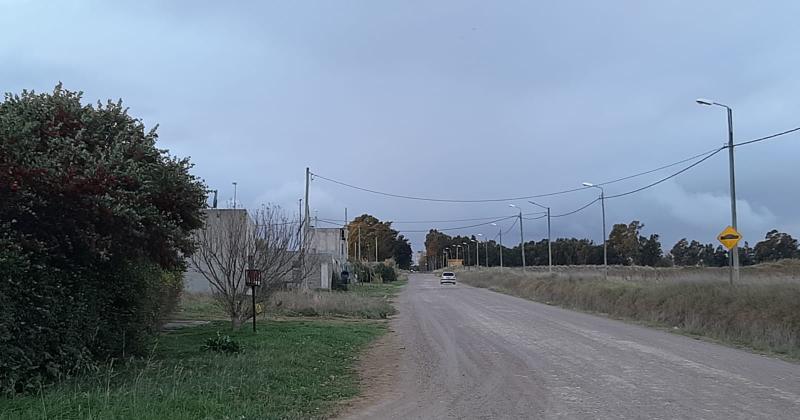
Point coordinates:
pixel 761 314
pixel 290 368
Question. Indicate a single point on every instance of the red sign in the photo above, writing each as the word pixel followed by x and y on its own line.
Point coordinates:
pixel 253 278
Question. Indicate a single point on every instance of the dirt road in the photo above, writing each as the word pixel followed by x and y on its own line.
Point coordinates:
pixel 475 354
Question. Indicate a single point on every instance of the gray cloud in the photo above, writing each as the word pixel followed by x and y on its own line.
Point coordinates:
pixel 456 99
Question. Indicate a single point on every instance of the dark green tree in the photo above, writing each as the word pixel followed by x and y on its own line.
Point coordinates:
pixel 649 251
pixel 95 223
pixel 402 252
pixel 775 246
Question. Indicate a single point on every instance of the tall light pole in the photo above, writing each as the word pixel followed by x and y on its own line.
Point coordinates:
pixel 549 239
pixel 478 245
pixel 521 237
pixel 486 251
pixel 466 253
pixel 603 206
pixel 500 231
pixel 234 194
pixel 477 258
pixel 734 258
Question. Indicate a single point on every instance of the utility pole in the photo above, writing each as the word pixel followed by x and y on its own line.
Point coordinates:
pixel 346 235
pixel 306 222
pixel 486 246
pixel 500 231
pixel 477 258
pixel 307 212
pixel 549 239
pixel 376 247
pixel 734 253
pixel 359 243
pixel 234 195
pixel 603 207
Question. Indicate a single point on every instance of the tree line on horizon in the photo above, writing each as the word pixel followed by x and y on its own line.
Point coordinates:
pixel 626 246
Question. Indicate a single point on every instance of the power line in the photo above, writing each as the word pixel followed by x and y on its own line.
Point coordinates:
pixel 771 136
pixel 440 221
pixel 658 169
pixel 512 226
pixel 460 227
pixel 534 218
pixel 575 211
pixel 668 177
pixel 489 200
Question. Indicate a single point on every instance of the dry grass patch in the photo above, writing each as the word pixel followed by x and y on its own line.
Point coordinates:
pixel 330 303
pixel 762 313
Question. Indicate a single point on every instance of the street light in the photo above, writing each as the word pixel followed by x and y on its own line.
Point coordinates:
pixel 549 241
pixel 521 237
pixel 477 245
pixel 466 253
pixel 477 257
pixel 603 206
pixel 734 259
pixel 234 193
pixel 500 231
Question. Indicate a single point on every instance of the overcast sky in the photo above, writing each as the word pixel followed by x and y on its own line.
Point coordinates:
pixel 464 100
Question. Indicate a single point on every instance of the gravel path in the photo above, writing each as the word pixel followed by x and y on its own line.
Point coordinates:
pixel 475 354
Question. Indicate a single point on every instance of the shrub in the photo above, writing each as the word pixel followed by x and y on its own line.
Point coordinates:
pixel 222 344
pixel 324 303
pixel 95 221
pixel 386 273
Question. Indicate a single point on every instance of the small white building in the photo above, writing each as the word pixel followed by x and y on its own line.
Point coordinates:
pixel 328 253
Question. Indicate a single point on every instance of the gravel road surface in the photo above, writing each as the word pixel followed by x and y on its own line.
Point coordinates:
pixel 475 354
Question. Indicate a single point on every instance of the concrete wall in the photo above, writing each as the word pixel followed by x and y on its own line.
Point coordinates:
pixel 329 241
pixel 217 221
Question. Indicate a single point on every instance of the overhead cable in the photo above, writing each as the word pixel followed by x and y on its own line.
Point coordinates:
pixel 408 197
pixel 666 178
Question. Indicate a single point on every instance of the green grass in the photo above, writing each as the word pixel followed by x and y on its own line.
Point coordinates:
pixel 288 370
pixel 198 306
pixel 384 290
pixel 759 315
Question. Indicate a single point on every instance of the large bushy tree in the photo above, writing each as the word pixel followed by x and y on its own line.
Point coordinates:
pixel 366 230
pixel 775 246
pixel 95 221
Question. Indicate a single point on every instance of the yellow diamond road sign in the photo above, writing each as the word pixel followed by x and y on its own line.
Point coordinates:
pixel 729 237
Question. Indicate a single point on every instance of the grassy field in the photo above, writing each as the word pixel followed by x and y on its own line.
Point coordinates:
pixel 199 306
pixel 289 369
pixel 761 313
pixel 363 300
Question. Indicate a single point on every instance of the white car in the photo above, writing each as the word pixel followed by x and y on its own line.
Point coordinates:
pixel 448 277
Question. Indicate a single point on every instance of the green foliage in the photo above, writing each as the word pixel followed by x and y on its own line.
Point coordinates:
pixel 402 252
pixel 385 272
pixel 222 344
pixel 775 246
pixel 290 370
pixel 95 224
pixel 366 228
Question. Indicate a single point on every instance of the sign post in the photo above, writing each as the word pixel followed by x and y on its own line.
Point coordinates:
pixel 253 280
pixel 729 238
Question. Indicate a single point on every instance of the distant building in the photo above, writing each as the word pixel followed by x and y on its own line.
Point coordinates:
pixel 328 254
pixel 325 257
pixel 218 220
